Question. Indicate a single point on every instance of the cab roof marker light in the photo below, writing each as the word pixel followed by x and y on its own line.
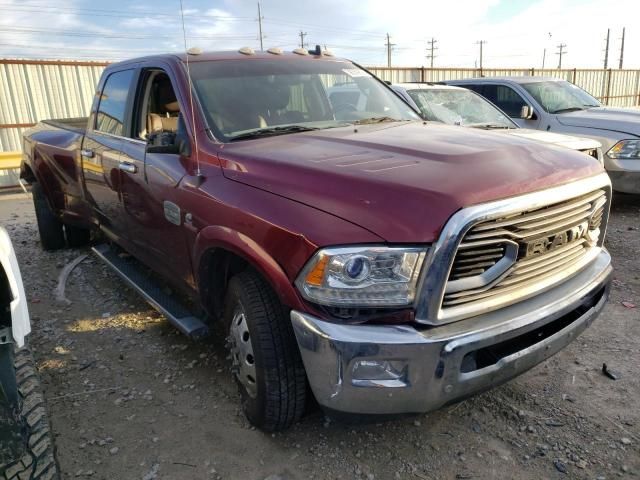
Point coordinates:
pixel 300 51
pixel 247 51
pixel 327 53
pixel 275 51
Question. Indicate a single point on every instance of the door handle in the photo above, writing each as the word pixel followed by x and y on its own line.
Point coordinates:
pixel 128 167
pixel 86 153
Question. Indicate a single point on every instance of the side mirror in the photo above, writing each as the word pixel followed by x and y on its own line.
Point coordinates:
pixel 526 113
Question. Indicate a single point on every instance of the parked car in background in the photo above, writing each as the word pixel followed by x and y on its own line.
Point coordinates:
pixel 26 441
pixel 555 105
pixel 459 106
pixel 344 244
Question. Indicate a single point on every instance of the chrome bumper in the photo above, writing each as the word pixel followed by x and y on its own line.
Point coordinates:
pixel 421 370
pixel 625 181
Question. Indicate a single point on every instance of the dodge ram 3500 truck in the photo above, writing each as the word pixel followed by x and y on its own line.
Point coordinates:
pixel 390 264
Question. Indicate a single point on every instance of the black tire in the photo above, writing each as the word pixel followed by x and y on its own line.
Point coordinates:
pixel 280 376
pixel 77 236
pixel 49 226
pixel 38 461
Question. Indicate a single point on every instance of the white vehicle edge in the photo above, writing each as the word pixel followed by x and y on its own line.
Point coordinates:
pixel 20 325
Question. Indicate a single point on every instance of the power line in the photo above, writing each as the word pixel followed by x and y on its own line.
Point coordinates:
pixel 109 13
pixel 606 50
pixel 73 33
pixel 389 46
pixel 561 51
pixel 302 35
pixel 431 48
pixel 621 48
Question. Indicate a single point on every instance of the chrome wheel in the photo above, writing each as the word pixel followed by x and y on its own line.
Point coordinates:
pixel 244 363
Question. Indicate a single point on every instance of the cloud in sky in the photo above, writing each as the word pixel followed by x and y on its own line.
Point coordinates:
pixel 516 31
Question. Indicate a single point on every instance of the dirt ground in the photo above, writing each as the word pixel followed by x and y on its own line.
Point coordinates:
pixel 130 398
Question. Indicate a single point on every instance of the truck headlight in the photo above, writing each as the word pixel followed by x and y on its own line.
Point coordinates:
pixel 625 149
pixel 362 276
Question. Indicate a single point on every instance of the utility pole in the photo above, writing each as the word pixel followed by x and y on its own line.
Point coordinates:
pixel 389 45
pixel 260 18
pixel 481 43
pixel 302 35
pixel 561 51
pixel 544 56
pixel 606 50
pixel 431 48
pixel 621 49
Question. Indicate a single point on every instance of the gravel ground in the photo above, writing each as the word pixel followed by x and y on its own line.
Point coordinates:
pixel 130 398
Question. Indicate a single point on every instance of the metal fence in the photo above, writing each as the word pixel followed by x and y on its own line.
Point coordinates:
pixel 32 90
pixel 620 88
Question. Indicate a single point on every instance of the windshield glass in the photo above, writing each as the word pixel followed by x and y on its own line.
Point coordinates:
pixel 459 107
pixel 558 97
pixel 264 95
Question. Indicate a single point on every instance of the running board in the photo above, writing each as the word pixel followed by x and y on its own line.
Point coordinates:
pixel 130 271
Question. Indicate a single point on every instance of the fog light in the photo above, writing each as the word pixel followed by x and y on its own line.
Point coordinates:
pixel 380 373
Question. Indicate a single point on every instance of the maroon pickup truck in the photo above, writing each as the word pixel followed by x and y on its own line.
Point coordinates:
pixel 352 251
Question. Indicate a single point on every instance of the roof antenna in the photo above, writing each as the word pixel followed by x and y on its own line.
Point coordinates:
pixel 193 115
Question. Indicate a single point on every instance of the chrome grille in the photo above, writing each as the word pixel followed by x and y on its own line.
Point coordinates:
pixel 553 241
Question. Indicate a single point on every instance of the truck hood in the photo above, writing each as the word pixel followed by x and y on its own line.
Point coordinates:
pixel 604 118
pixel 567 141
pixel 401 181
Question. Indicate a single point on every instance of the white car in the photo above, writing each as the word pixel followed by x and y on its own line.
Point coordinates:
pixel 459 106
pixel 21 401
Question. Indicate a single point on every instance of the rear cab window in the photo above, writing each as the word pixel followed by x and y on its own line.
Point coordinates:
pixel 110 117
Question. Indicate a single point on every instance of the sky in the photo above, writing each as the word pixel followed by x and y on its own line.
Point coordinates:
pixel 516 32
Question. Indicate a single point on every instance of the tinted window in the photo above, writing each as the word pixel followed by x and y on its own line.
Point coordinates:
pixel 113 103
pixel 505 98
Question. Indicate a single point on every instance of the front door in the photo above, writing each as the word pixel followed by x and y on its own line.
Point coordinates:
pixel 149 183
pixel 100 153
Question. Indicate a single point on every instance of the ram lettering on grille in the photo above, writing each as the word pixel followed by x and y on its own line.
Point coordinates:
pixel 545 242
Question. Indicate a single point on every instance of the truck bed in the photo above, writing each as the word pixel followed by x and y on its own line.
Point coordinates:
pixel 77 124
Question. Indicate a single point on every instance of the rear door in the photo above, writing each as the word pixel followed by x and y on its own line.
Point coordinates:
pixel 101 152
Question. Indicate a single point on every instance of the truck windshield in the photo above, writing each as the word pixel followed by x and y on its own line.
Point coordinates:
pixel 459 107
pixel 253 97
pixel 560 96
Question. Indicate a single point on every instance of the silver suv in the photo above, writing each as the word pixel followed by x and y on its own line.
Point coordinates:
pixel 551 104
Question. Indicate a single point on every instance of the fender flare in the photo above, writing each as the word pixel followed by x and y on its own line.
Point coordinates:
pixel 216 236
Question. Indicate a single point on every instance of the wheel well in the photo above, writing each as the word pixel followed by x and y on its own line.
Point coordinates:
pixel 217 267
pixel 27 174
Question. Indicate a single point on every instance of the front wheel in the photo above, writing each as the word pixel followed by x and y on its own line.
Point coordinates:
pixel 266 360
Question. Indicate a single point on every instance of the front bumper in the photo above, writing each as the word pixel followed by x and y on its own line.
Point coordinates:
pixel 625 181
pixel 432 367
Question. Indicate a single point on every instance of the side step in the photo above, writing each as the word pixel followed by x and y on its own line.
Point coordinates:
pixel 130 271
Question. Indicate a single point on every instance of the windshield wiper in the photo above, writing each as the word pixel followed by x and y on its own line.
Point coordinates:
pixel 569 109
pixel 365 121
pixel 271 131
pixel 488 126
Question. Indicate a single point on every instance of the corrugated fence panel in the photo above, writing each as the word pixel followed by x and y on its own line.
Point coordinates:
pixel 31 91
pixel 612 87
